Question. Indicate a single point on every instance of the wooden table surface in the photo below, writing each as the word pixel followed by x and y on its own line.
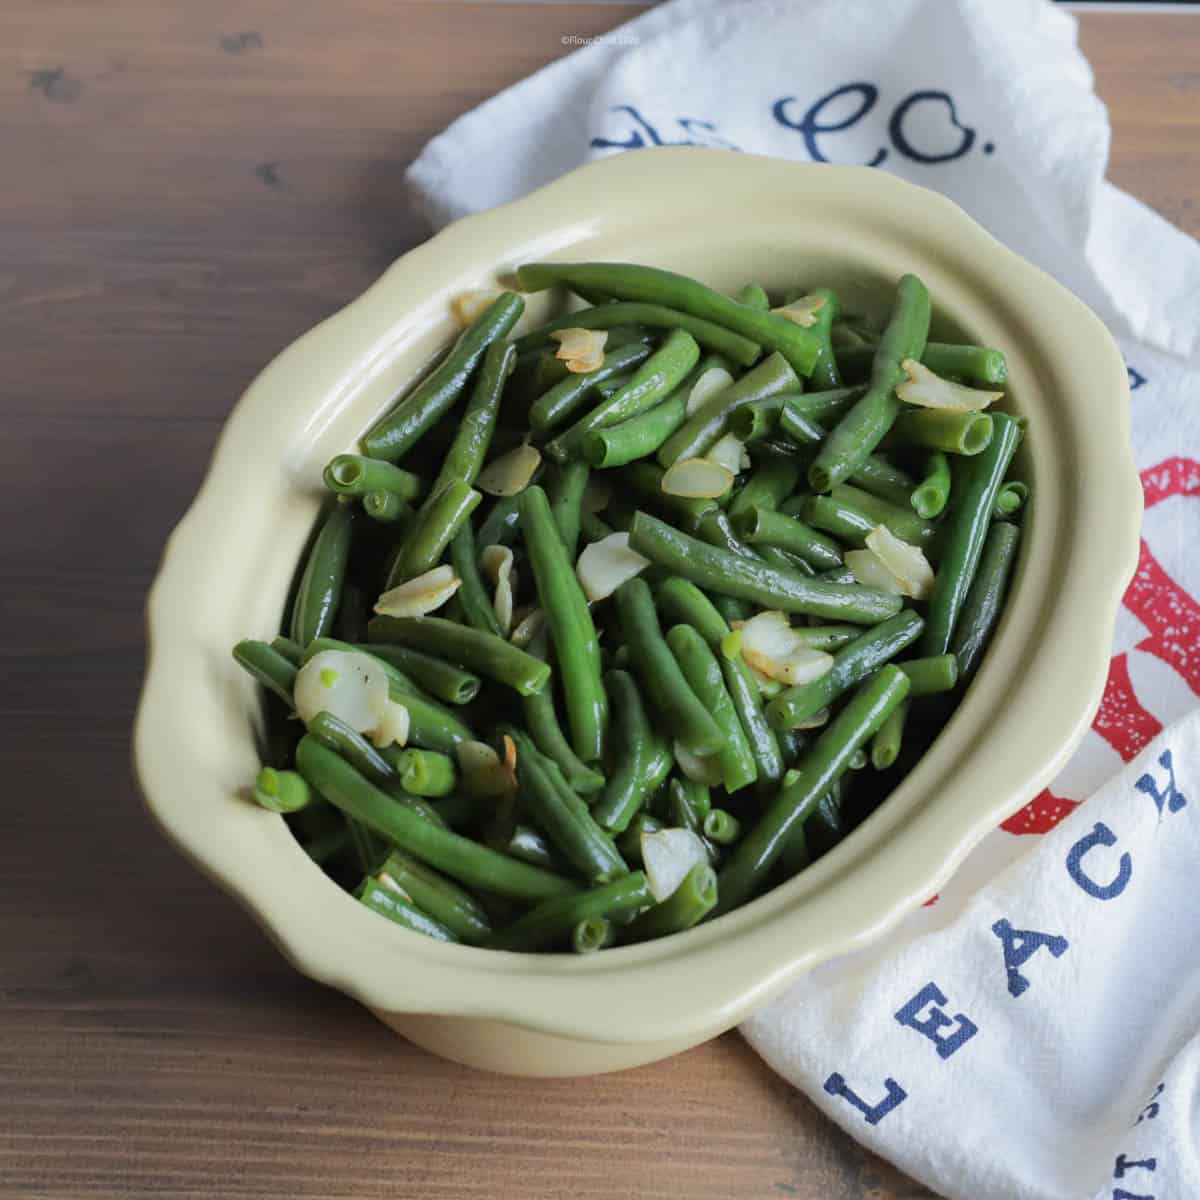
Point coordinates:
pixel 185 188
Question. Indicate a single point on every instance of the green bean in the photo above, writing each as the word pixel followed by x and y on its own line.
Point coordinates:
pixel 439 678
pixel 879 477
pixel 838 575
pixel 593 528
pixel 388 902
pixel 753 857
pixel 773 556
pixel 929 497
pixel 638 437
pixel 456 810
pixel 929 676
pixel 477 607
pixel 464 460
pixel 762 527
pixel 423 772
pixel 527 844
pixel 268 667
pixel 688 803
pixel 966 433
pixel 627 281
pixel 722 571
pixel 566 487
pixel 686 906
pixel 802 430
pixel 282 791
pixel 356 475
pixel 757 420
pixel 456 856
pixel 716 529
pixel 645 482
pixel 434 894
pixel 975 364
pixel 826 825
pixel 1009 499
pixel 328 845
pixel 387 508
pixel 967 526
pixel 653 381
pixel 711 336
pixel 722 827
pixel 541 719
pixel 290 650
pixel 433 528
pixel 320 590
pixel 900 519
pixel 683 601
pixel 711 420
pixel 825 374
pixel 351 621
pixel 641 757
pixel 355 748
pixel 483 653
pixel 560 814
pixel 772 482
pixel 553 921
pixel 823 406
pixel 680 710
pixel 754 295
pixel 630 842
pixel 503 522
pixel 885 745
pixel 537 371
pixel 395 434
pixel 853 663
pixel 567 396
pixel 862 429
pixel 703 674
pixel 985 599
pixel 592 934
pixel 362 844
pixel 576 647
pixel 846 522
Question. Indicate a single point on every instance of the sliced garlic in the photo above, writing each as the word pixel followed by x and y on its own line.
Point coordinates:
pixel 924 388
pixel 392 726
pixel 511 472
pixel 483 773
pixel 353 687
pixel 697 478
pixel 668 856
pixel 581 349
pixel 700 768
pixel 470 306
pixel 729 452
pixel 802 311
pixel 597 493
pixel 906 562
pixel 497 565
pixel 528 625
pixel 417 597
pixel 868 569
pixel 710 382
pixel 771 646
pixel 605 565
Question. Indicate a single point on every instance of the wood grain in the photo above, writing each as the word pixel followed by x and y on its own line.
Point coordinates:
pixel 186 188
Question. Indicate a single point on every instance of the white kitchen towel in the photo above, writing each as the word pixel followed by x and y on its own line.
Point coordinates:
pixel 1034 1034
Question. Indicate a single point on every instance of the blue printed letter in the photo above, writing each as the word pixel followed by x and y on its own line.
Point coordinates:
pixel 1101 835
pixel 835 1085
pixel 1170 795
pixel 1123 1165
pixel 937 1019
pixel 1020 945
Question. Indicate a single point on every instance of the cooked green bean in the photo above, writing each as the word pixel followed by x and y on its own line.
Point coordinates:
pixel 847 523
pixel 268 667
pixel 434 894
pixel 553 921
pixel 885 745
pixel 653 381
pixel 722 571
pixel 391 903
pixel 592 934
pixel 1010 499
pixel 572 632
pixel 356 475
pixel 929 676
pixel 985 600
pixel 628 281
pixel 394 435
pixel 853 663
pixel 594 528
pixel 757 420
pixel 972 364
pixel 762 527
pixel 424 772
pixel 967 525
pixel 641 757
pixel 502 524
pixel 350 625
pixel 823 407
pixel 930 496
pixel 900 519
pixel 688 803
pixel 282 791
pixel 773 481
pixel 802 430
pixel 433 528
pixel 483 653
pixel 638 437
pixel 439 678
pixel 676 705
pixel 964 433
pixel 716 529
pixel 352 746
pixel 686 906
pixel 711 336
pixel 645 481
pixel 883 479
pixel 320 590
pixel 825 374
pixel 858 433
pixel 453 855
pixel 711 420
pixel 290 650
pixel 464 460
pixel 852 728
pixel 527 844
pixel 387 508
pixel 703 674
pixel 630 842
pixel 754 295
pixel 569 395
pixel 477 607
pixel 326 846
pixel 722 827
pixel 565 492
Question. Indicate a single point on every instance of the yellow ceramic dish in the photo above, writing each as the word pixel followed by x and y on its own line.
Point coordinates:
pixel 728 219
